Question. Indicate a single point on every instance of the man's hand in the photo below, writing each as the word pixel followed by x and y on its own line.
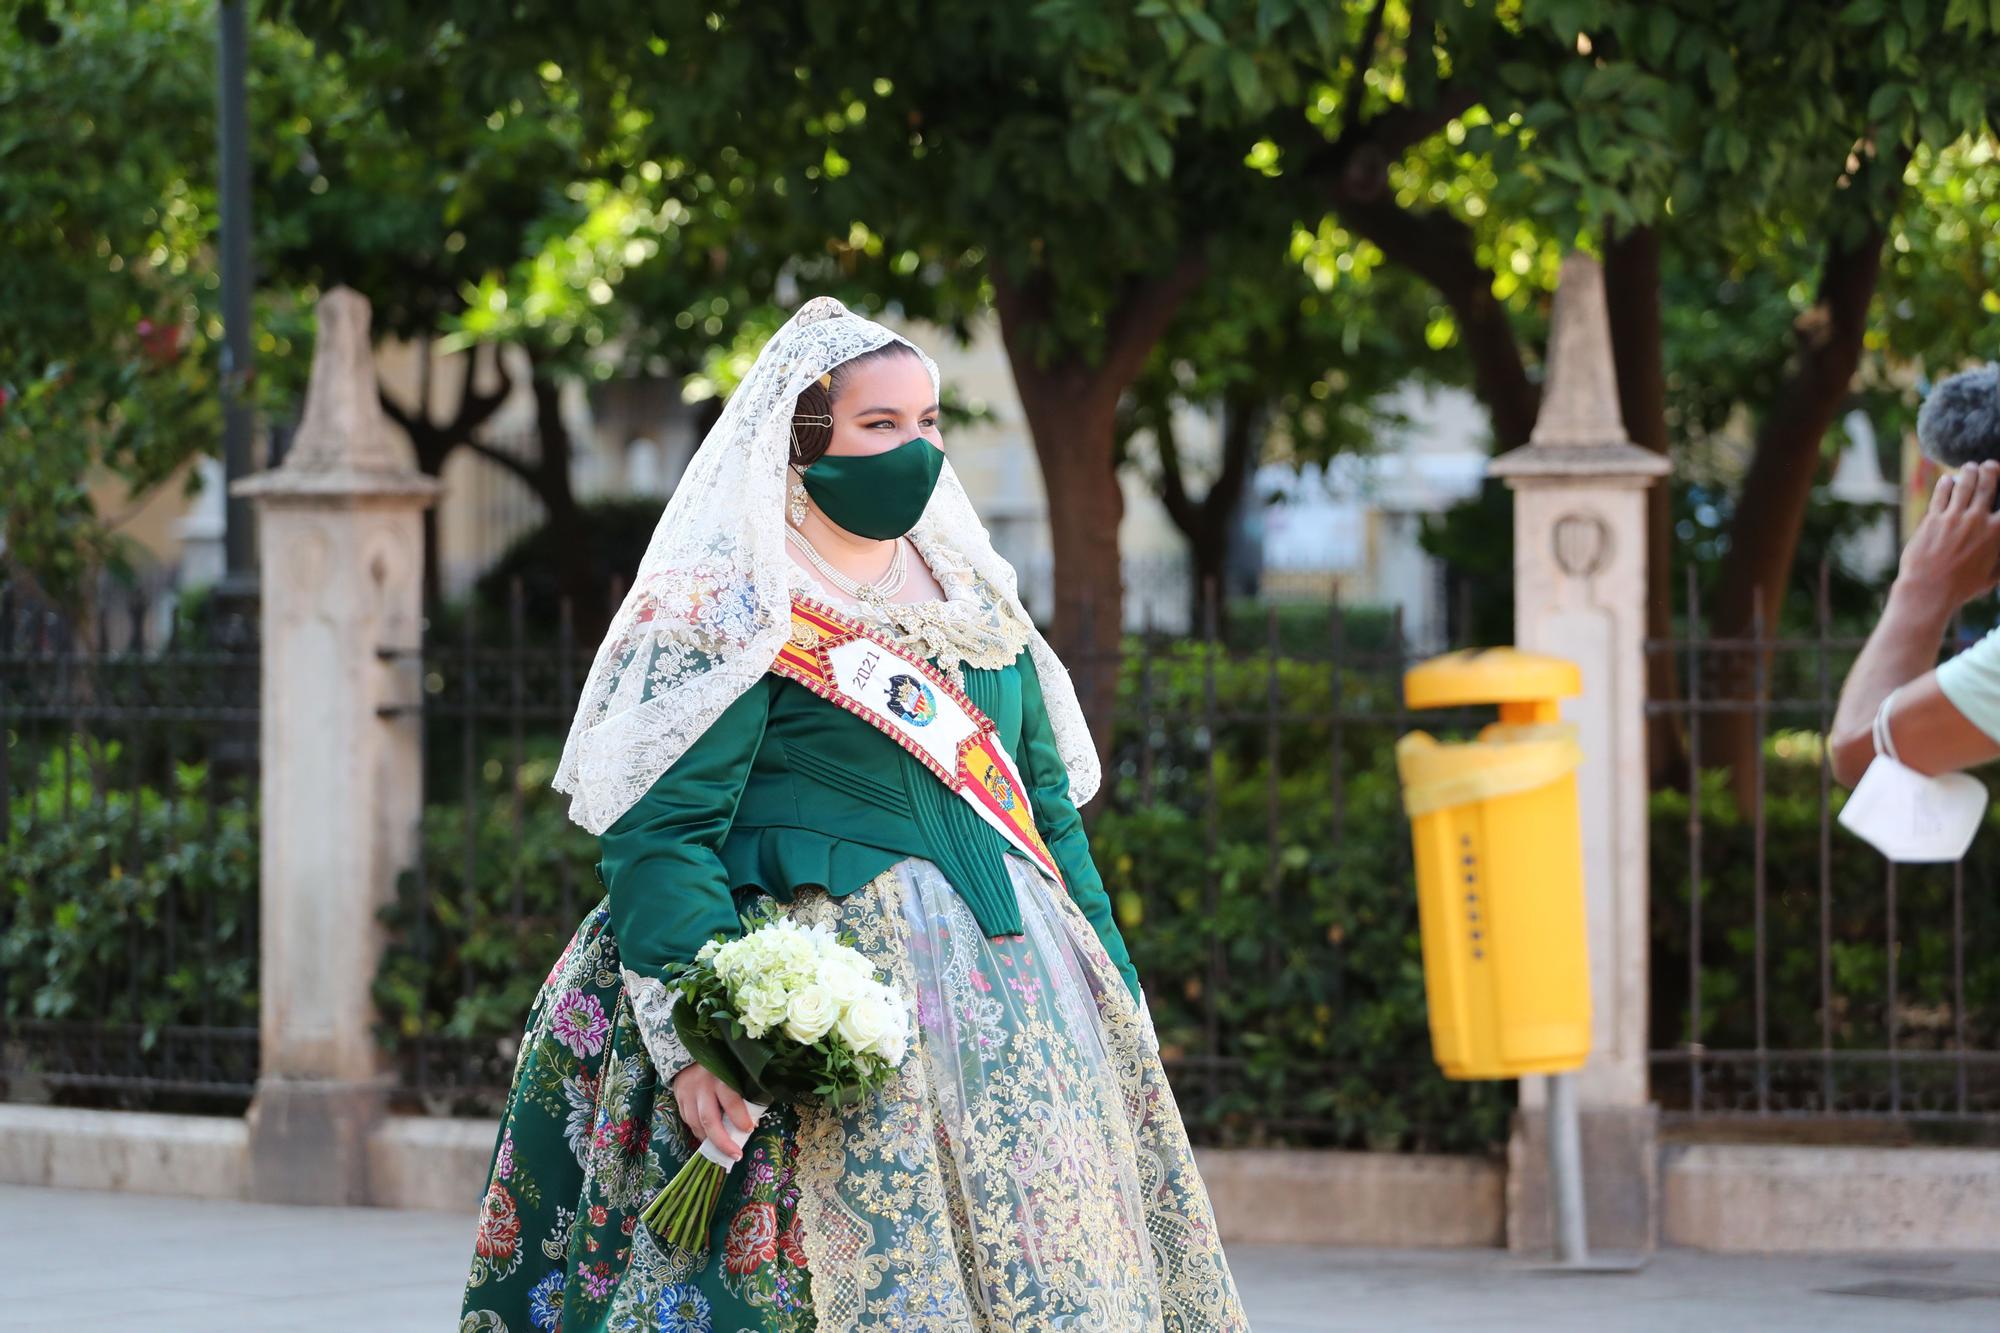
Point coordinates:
pixel 1954 555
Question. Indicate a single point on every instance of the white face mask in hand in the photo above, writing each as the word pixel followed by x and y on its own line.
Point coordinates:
pixel 1906 815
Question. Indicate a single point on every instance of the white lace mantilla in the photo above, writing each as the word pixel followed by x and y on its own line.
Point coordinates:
pixel 710 604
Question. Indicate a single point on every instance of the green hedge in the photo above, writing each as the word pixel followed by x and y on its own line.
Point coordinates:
pixel 94 888
pixel 1332 974
pixel 1322 1000
pixel 466 964
pixel 1856 925
pixel 1347 991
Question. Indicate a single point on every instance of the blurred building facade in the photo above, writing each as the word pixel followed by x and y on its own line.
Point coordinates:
pixel 1349 528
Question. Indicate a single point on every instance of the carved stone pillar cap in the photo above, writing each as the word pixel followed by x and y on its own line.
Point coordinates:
pixel 1580 432
pixel 343 446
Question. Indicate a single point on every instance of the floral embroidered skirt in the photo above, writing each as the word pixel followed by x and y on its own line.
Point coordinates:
pixel 1026 1169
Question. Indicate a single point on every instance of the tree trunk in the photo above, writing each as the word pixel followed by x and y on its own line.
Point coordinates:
pixel 1070 418
pixel 1072 411
pixel 1771 507
pixel 1632 291
pixel 432 441
pixel 589 600
pixel 1209 524
pixel 433 593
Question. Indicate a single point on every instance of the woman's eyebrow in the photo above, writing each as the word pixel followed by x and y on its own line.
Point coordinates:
pixel 866 411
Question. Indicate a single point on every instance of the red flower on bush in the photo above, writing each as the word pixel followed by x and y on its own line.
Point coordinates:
pixel 161 342
pixel 753 1238
pixel 599 1214
pixel 499 1226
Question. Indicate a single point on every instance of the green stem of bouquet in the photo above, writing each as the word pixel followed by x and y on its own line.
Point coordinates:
pixel 683 1210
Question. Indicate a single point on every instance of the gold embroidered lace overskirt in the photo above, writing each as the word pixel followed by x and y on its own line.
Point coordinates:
pixel 1027 1169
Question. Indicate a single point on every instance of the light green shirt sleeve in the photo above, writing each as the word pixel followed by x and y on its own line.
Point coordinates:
pixel 1971 680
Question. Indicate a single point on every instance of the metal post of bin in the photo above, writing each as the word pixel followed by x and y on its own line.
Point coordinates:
pixel 1566 1186
pixel 1566 1170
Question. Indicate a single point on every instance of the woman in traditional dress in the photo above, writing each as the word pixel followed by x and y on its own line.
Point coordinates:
pixel 1026 1168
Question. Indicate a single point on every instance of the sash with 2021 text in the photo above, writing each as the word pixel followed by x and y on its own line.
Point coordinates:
pixel 910 701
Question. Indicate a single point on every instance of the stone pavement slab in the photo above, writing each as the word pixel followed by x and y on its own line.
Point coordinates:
pixel 1295 1289
pixel 88 1262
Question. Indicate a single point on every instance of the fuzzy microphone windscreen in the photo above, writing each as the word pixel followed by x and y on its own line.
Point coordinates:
pixel 1960 421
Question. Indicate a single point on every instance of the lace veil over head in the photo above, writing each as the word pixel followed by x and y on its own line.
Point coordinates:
pixel 711 602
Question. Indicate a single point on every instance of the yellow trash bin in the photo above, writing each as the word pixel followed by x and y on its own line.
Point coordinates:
pixel 1499 857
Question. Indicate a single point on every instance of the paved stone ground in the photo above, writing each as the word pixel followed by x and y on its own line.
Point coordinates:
pixel 88 1262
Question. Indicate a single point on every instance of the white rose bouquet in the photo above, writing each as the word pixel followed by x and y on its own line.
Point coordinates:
pixel 783 1010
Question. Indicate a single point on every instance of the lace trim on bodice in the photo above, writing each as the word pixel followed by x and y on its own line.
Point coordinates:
pixel 972 627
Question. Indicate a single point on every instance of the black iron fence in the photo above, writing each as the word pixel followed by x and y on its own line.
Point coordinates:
pixel 1796 973
pixel 128 874
pixel 1250 834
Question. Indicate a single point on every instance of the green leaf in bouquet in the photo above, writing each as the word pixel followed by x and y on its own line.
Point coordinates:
pixel 715 1054
pixel 839 1096
pixel 753 1056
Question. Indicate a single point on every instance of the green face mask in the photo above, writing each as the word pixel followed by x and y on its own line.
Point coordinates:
pixel 876 495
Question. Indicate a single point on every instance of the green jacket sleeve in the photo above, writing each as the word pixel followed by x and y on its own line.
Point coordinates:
pixel 661 860
pixel 1061 826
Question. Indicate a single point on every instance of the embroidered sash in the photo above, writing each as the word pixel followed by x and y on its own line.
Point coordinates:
pixel 909 701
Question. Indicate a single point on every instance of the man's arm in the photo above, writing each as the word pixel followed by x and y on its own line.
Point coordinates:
pixel 1951 558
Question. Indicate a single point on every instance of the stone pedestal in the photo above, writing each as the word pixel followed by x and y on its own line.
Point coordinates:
pixel 1580 592
pixel 341 551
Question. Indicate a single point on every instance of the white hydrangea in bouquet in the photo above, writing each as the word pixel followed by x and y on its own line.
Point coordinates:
pixel 783 1010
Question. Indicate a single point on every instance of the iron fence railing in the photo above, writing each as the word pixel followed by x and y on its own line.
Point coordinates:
pixel 128 870
pixel 1796 972
pixel 1250 832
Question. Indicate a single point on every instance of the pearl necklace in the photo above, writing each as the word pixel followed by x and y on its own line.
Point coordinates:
pixel 882 589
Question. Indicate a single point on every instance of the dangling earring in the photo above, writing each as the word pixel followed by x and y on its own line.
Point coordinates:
pixel 797 512
pixel 797 495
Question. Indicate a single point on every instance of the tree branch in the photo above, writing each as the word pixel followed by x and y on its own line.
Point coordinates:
pixel 1356 164
pixel 1351 175
pixel 1364 60
pixel 526 471
pixel 1173 486
pixel 394 411
pixel 1138 320
pixel 1147 309
pixel 1441 250
pixel 475 409
pixel 1239 436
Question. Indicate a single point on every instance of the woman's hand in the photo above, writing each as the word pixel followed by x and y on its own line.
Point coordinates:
pixel 707 1104
pixel 1954 555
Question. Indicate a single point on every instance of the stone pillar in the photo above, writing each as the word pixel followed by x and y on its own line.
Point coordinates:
pixel 341 556
pixel 1580 592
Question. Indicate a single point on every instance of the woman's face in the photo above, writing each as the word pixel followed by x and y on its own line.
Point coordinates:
pixel 882 403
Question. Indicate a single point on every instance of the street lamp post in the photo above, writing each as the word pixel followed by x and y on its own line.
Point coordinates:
pixel 232 120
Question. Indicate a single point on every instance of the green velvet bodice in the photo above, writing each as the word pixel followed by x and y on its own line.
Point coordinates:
pixel 786 789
